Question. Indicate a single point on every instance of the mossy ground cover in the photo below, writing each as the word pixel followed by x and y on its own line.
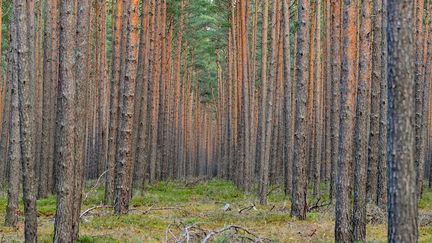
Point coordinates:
pixel 175 204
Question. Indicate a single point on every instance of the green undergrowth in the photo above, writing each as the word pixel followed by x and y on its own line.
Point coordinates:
pixel 426 200
pixel 181 204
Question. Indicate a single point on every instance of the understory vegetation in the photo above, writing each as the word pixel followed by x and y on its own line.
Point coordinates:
pixel 166 209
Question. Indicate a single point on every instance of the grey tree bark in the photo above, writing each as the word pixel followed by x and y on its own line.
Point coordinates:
pixel 14 154
pixel 348 82
pixel 362 122
pixel 66 112
pixel 402 193
pixel 26 69
pixel 299 182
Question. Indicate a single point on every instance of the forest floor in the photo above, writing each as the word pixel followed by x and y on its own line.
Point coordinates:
pixel 173 211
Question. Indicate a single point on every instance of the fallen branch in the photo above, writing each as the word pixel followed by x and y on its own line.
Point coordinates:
pixel 313 233
pixel 93 208
pixel 168 231
pixel 273 207
pixel 247 208
pixel 151 208
pixel 272 190
pixel 95 186
pixel 317 205
pixel 237 229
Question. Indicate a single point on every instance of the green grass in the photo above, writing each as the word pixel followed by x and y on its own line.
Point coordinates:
pixel 172 203
pixel 426 200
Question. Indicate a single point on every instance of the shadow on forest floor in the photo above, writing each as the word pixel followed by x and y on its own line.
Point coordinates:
pixel 175 210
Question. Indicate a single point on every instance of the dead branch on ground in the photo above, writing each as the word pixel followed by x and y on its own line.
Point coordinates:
pixel 95 185
pixel 317 205
pixel 87 211
pixel 246 209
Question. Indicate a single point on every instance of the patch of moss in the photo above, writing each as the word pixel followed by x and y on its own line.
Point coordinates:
pixel 426 200
pixel 46 206
pixel 91 239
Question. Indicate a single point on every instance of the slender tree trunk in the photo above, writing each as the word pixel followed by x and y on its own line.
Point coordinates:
pixel 336 6
pixel 124 160
pixel 65 157
pixel 288 131
pixel 46 155
pixel 5 133
pixel 26 69
pixel 383 142
pixel 419 93
pixel 263 183
pixel 299 190
pixel 38 48
pixel 343 226
pixel 317 104
pixel 114 98
pixel 402 193
pixel 82 75
pixel 100 79
pixel 14 155
pixel 377 59
pixel 328 89
pixel 362 122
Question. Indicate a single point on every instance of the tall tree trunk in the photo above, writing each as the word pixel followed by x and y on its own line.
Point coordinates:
pixel 377 59
pixel 362 122
pixel 402 193
pixel 38 48
pixel 336 6
pixel 14 155
pixel 287 118
pixel 114 98
pixel 317 104
pixel 263 183
pixel 5 133
pixel 328 89
pixel 65 157
pixel 343 226
pixel 383 142
pixel 26 70
pixel 100 79
pixel 143 119
pixel 419 92
pixel 299 190
pixel 48 96
pixel 82 76
pixel 124 161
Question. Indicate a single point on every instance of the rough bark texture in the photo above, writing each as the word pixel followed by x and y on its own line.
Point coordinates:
pixel 343 225
pixel 14 155
pixel 261 130
pixel 299 182
pixel 65 156
pixel 402 195
pixel 336 7
pixel 127 90
pixel 383 141
pixel 82 75
pixel 114 99
pixel 289 134
pixel 377 59
pixel 361 130
pixel 101 75
pixel 47 100
pixel 26 68
pixel 419 93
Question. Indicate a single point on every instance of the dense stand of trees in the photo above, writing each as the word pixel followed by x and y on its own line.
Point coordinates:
pixel 323 97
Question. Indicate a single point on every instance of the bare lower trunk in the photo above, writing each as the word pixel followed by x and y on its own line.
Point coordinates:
pixel 402 193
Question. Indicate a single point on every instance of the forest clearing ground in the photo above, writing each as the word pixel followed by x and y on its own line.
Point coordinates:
pixel 176 205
